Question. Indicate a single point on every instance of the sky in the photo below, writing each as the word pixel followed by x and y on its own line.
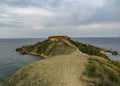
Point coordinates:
pixel 75 18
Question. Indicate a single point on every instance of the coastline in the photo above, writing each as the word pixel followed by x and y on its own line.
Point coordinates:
pixel 36 54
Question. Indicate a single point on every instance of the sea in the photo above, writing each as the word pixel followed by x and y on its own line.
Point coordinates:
pixel 11 61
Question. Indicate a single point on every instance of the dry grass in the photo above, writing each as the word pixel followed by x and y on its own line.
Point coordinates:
pixel 63 70
pixel 103 72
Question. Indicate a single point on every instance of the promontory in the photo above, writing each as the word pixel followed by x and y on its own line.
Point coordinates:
pixel 66 63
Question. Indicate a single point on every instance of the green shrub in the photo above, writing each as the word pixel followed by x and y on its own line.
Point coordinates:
pixel 104 73
pixel 88 49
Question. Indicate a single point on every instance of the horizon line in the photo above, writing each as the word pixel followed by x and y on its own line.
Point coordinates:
pixel 48 36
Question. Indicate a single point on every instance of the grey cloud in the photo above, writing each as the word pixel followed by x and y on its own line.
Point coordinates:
pixel 58 16
pixel 109 13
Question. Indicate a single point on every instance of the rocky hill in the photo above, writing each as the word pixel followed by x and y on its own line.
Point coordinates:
pixel 60 45
pixel 67 63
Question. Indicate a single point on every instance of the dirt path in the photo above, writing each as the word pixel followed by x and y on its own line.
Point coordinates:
pixel 64 70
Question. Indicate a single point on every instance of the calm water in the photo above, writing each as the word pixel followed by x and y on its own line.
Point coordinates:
pixel 11 61
pixel 108 43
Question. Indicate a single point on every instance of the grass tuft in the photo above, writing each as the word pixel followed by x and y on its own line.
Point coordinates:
pixel 103 72
pixel 89 49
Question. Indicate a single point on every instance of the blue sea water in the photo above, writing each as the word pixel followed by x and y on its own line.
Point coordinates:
pixel 11 61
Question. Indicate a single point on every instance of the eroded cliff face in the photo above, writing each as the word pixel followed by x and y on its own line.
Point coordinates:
pixel 58 38
pixel 59 46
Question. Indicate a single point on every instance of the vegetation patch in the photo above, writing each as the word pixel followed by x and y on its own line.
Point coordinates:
pixel 89 49
pixel 61 46
pixel 103 72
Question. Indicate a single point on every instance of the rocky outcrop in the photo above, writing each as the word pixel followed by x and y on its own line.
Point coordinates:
pixel 57 38
pixel 59 45
pixel 48 48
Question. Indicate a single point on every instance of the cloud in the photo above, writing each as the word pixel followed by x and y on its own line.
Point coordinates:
pixel 38 28
pixel 34 18
pixel 100 26
pixel 22 17
pixel 29 11
pixel 25 11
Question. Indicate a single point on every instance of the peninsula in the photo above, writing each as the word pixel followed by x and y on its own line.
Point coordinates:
pixel 60 45
pixel 66 63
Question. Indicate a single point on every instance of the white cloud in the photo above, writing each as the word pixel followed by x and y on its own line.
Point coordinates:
pixel 30 11
pixel 38 28
pixel 93 3
pixel 25 11
pixel 96 3
pixel 98 26
pixel 28 17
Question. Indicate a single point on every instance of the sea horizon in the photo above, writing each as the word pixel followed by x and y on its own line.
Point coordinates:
pixel 60 35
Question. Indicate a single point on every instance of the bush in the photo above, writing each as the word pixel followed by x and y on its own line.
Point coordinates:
pixel 88 49
pixel 104 73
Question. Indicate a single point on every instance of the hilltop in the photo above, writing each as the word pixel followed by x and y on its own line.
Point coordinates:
pixel 66 63
pixel 60 45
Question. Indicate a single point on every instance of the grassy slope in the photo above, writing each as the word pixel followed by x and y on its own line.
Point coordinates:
pixel 89 49
pixel 103 72
pixel 63 70
pixel 49 48
pixel 38 47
